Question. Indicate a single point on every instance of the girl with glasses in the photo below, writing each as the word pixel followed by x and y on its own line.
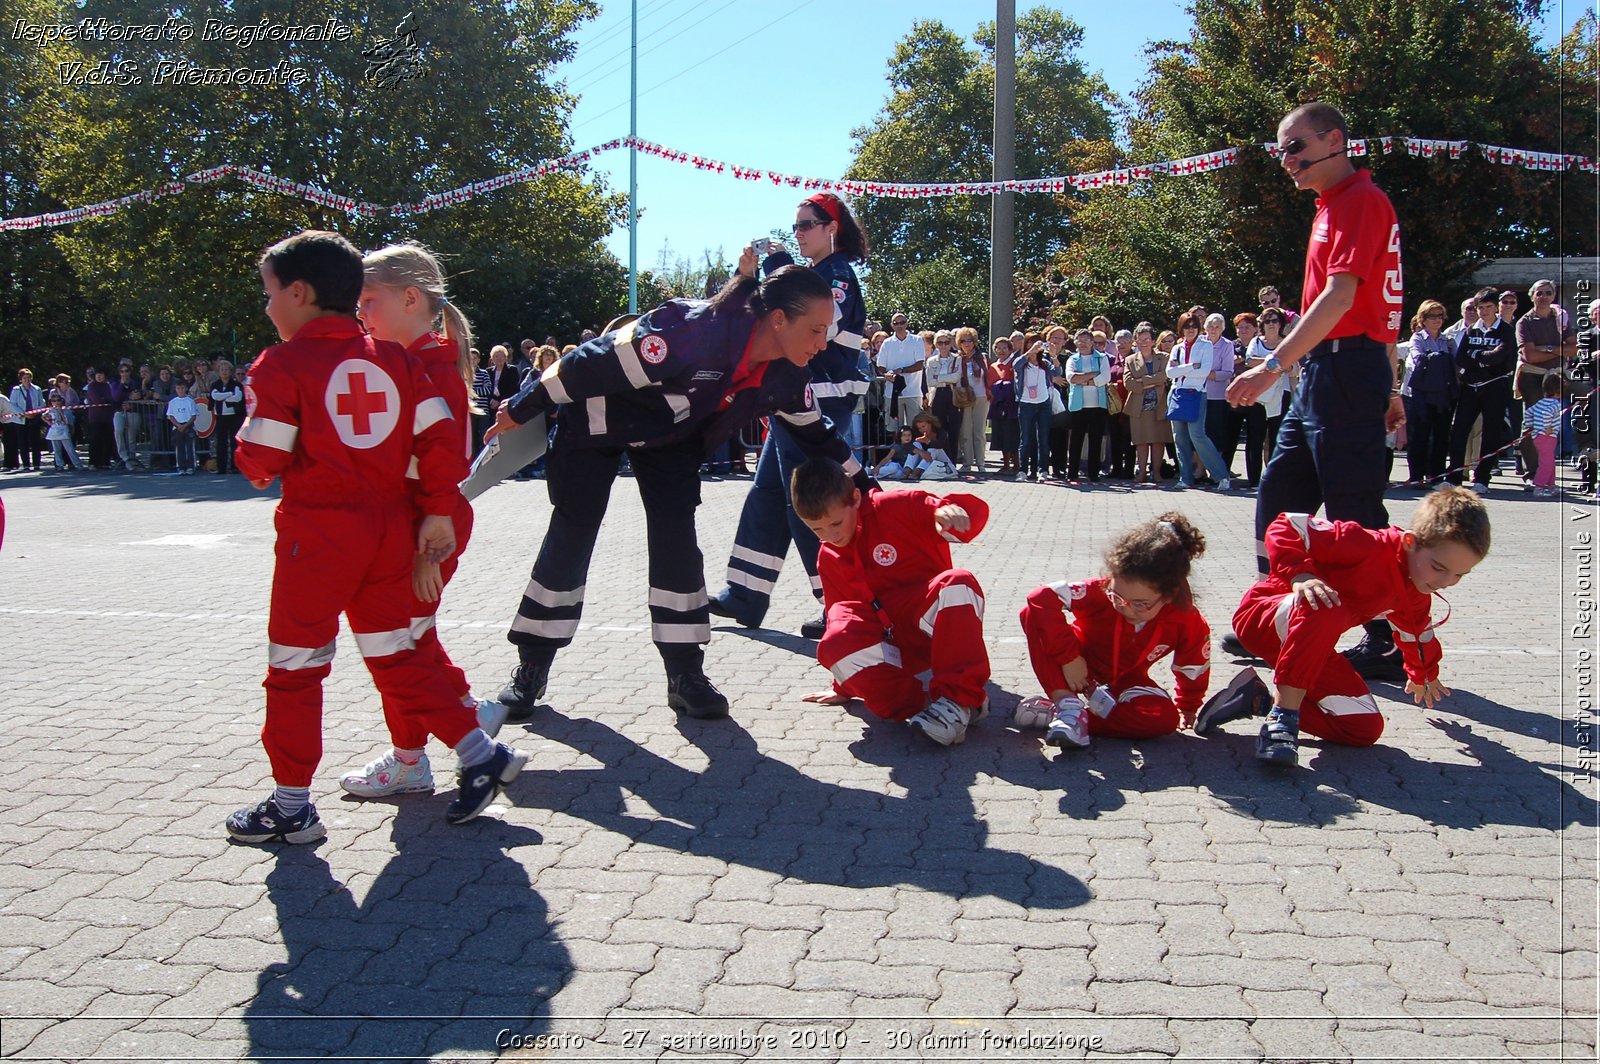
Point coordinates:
pixel 1092 642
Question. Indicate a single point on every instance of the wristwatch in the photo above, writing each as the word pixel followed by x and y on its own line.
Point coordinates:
pixel 1272 365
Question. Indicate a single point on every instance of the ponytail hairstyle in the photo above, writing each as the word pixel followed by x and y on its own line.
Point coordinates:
pixel 791 289
pixel 826 207
pixel 1158 553
pixel 411 265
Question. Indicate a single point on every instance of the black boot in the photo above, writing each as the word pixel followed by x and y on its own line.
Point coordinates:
pixel 1376 657
pixel 527 685
pixel 688 690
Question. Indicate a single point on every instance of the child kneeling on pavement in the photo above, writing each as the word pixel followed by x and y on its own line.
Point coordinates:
pixel 895 605
pixel 1095 667
pixel 1325 578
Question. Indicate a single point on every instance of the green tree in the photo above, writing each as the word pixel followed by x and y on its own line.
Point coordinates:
pixel 181 270
pixel 938 125
pixel 1426 68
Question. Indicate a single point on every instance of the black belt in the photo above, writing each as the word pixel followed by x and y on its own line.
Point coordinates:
pixel 1346 344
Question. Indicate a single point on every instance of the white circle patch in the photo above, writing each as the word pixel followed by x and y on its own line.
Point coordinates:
pixel 885 554
pixel 363 403
pixel 653 349
pixel 249 401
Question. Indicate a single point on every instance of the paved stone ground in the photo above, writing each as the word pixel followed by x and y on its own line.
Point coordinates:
pixel 796 883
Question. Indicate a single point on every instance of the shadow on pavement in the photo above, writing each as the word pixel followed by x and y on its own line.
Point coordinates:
pixel 450 929
pixel 750 809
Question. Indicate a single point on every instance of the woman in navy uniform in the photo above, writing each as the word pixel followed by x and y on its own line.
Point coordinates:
pixel 829 236
pixel 664 390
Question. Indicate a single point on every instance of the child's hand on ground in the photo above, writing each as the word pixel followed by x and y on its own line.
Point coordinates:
pixel 436 538
pixel 1314 593
pixel 427 582
pixel 1427 694
pixel 827 698
pixel 951 518
pixel 1075 674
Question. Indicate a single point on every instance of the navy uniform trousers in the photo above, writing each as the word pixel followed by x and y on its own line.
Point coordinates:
pixel 768 523
pixel 579 481
pixel 1331 446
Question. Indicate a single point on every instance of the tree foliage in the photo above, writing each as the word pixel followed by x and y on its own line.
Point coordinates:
pixel 180 272
pixel 938 125
pixel 1426 68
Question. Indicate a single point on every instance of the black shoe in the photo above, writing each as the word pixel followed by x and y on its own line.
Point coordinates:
pixel 691 694
pixel 1232 647
pixel 814 629
pixel 265 822
pixel 480 783
pixel 521 694
pixel 1246 696
pixel 1371 662
pixel 721 607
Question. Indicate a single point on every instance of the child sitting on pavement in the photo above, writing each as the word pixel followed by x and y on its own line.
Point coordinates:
pixel 1325 578
pixel 895 604
pixel 1095 667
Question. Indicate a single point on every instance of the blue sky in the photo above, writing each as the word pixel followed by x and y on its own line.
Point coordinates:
pixel 780 85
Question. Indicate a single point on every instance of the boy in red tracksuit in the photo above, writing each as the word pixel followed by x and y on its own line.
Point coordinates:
pixel 340 417
pixel 1325 578
pixel 1095 667
pixel 895 605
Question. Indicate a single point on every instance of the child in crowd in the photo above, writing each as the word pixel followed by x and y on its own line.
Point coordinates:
pixel 1543 423
pixel 930 459
pixel 341 417
pixel 1095 666
pixel 58 434
pixel 401 301
pixel 892 466
pixel 895 605
pixel 1325 578
pixel 181 411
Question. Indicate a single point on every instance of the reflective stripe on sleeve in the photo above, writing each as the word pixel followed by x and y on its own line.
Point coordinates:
pixel 429 413
pixel 551 379
pixel 279 435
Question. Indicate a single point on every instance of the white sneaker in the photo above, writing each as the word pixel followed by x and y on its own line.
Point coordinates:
pixel 1070 726
pixel 943 721
pixel 1035 712
pixel 1222 485
pixel 492 717
pixel 388 775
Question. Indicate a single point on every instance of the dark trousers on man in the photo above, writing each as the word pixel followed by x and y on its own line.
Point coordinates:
pixel 1491 401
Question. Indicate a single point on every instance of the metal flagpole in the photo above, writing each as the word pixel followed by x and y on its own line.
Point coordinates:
pixel 1002 219
pixel 633 168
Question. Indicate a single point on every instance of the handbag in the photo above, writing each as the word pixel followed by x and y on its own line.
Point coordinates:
pixel 1116 397
pixel 1186 404
pixel 961 393
pixel 1058 408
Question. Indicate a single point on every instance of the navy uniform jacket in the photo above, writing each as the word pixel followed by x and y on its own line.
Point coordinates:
pixel 836 371
pixel 664 378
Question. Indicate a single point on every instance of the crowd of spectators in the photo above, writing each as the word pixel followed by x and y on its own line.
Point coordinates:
pixel 1071 405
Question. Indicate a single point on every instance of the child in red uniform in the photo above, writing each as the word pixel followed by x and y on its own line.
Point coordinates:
pixel 895 605
pixel 1095 667
pixel 340 417
pixel 402 299
pixel 1325 578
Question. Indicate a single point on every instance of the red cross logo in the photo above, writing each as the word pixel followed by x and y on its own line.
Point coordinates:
pixel 361 404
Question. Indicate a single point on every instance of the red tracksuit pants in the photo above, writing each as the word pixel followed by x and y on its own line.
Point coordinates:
pixel 354 560
pixel 1301 643
pixel 405 730
pixel 939 626
pixel 1144 708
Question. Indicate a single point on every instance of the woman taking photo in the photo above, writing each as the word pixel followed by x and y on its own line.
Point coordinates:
pixel 829 236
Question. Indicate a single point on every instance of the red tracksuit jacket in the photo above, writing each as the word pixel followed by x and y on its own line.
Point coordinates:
pixel 896 548
pixel 1368 570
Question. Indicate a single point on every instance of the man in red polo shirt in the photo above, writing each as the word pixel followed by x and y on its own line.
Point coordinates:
pixel 1330 450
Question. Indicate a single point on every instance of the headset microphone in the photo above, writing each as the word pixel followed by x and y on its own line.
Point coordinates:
pixel 1306 164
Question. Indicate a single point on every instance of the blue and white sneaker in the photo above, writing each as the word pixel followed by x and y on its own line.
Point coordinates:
pixel 265 823
pixel 1279 741
pixel 944 722
pixel 481 782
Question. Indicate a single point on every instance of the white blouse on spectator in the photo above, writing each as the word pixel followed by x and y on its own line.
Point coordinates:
pixel 1033 385
pixel 1191 364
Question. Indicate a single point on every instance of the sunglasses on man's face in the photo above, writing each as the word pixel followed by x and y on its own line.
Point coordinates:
pixel 1298 144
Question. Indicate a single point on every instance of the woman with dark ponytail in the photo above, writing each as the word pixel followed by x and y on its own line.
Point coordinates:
pixel 664 389
pixel 829 236
pixel 1095 666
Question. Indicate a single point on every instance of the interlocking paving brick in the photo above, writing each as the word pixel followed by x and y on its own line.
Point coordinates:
pixel 798 868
